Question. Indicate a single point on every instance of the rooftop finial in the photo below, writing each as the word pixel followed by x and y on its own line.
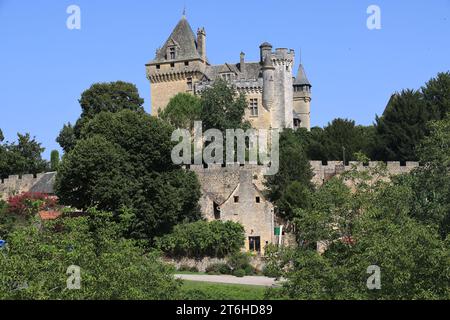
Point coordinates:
pixel 184 11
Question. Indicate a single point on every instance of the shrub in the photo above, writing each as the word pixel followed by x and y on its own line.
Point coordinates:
pixel 239 273
pixel 184 268
pixel 30 203
pixel 219 268
pixel 241 261
pixel 202 239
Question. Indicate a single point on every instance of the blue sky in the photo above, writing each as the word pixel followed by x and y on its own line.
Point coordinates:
pixel 44 66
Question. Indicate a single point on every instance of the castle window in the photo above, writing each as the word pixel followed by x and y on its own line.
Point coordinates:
pixel 253 107
pixel 227 76
pixel 216 211
pixel 158 67
pixel 172 65
pixel 258 200
pixel 236 199
pixel 189 84
pixel 172 53
pixel 186 63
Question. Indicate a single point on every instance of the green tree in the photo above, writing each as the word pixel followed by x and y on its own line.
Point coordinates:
pixel 402 126
pixel 223 108
pixel 436 93
pixel 364 220
pixel 123 160
pixel 35 263
pixel 341 137
pixel 431 182
pixel 294 166
pixel 22 157
pixel 182 110
pixel 101 97
pixel 201 238
pixel 54 160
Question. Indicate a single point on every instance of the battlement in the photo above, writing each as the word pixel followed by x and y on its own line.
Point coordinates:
pixel 323 172
pixel 42 183
pixel 283 54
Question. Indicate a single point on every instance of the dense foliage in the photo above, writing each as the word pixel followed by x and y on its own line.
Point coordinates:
pixel 361 219
pixel 122 160
pixel 294 175
pixel 182 110
pixel 21 157
pixel 101 97
pixel 201 238
pixel 28 204
pixel 395 134
pixel 35 263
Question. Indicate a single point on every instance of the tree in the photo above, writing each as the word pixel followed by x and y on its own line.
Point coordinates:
pixel 123 160
pixel 201 239
pixel 402 126
pixel 22 157
pixel 436 93
pixel 222 108
pixel 35 263
pixel 101 97
pixel 182 110
pixel 67 138
pixel 54 160
pixel 294 166
pixel 431 182
pixel 365 220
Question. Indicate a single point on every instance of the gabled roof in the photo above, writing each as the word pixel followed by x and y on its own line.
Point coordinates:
pixel 184 39
pixel 301 79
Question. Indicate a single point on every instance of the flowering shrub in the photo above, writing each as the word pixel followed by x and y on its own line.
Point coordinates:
pixel 30 203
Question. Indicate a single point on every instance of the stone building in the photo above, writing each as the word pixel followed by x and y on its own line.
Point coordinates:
pixel 276 99
pixel 234 193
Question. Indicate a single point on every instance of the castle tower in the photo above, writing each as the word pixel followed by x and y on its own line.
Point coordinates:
pixel 302 98
pixel 178 65
pixel 282 110
pixel 268 71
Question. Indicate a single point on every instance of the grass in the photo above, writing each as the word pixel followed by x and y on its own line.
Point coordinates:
pixel 193 290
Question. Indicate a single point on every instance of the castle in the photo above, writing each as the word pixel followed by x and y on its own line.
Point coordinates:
pixel 276 99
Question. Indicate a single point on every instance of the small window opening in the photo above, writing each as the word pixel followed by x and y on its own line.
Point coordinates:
pixel 236 199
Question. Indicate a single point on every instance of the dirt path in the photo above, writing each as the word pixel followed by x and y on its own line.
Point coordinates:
pixel 249 280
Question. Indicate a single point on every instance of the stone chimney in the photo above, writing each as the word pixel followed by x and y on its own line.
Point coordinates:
pixel 201 43
pixel 242 63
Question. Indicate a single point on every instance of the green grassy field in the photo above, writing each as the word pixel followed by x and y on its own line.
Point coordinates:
pixel 193 290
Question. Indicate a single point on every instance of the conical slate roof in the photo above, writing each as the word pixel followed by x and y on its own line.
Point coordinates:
pixel 185 41
pixel 301 79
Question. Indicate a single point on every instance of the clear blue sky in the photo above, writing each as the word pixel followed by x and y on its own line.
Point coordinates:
pixel 44 66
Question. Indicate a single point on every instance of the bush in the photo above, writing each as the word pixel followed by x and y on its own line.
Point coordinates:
pixel 239 273
pixel 219 268
pixel 30 203
pixel 241 261
pixel 203 239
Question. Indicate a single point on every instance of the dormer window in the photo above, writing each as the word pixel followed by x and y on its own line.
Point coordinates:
pixel 227 76
pixel 172 53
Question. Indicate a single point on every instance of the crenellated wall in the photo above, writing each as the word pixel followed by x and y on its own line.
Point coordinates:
pixel 324 172
pixel 42 182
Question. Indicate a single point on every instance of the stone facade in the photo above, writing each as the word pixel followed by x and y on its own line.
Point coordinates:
pixel 275 97
pixel 42 183
pixel 234 193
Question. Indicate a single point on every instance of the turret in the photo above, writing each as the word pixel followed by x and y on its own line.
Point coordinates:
pixel 265 49
pixel 302 98
pixel 201 43
pixel 268 71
